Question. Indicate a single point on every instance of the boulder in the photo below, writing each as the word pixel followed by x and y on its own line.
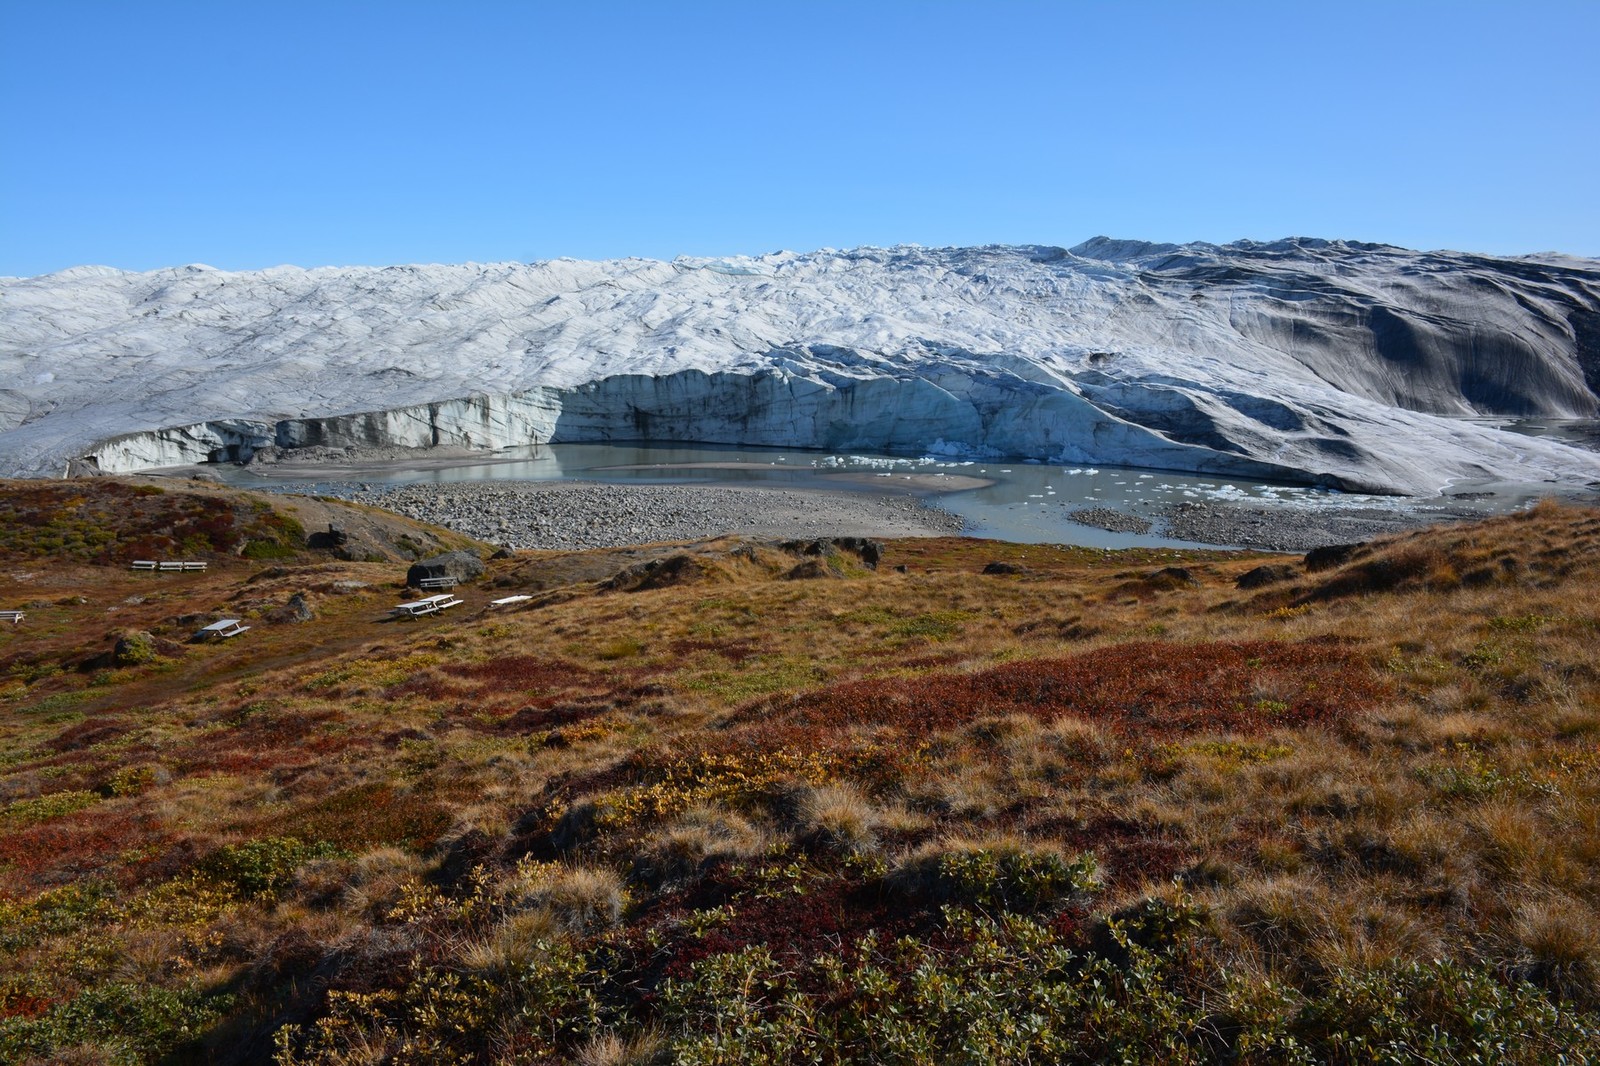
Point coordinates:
pixel 332 537
pixel 1330 556
pixel 462 565
pixel 1270 574
pixel 1172 577
pixel 870 552
pixel 134 648
pixel 298 609
pixel 677 569
pixel 811 569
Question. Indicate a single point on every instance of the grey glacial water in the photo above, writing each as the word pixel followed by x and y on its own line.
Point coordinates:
pixel 1016 501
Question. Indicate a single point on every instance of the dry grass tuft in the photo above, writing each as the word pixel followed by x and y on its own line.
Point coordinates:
pixel 613 1049
pixel 1556 945
pixel 837 818
pixel 694 842
pixel 575 899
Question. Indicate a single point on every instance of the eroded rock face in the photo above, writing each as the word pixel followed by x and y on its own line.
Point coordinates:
pixel 1318 361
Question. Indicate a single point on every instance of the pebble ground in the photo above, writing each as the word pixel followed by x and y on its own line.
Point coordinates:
pixel 571 515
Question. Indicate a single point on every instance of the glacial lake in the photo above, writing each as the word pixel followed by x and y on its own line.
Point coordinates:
pixel 1019 501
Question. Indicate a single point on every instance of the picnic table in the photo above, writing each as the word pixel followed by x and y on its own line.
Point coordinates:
pixel 427 605
pixel 227 627
pixel 12 616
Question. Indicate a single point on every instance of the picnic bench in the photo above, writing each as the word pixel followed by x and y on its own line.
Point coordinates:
pixel 227 627
pixel 443 582
pixel 167 565
pixel 12 616
pixel 427 605
pixel 506 601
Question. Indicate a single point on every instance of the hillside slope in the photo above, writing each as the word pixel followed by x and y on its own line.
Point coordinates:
pixel 754 802
pixel 1313 361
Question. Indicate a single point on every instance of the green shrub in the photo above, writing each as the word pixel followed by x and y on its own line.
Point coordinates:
pixel 1003 876
pixel 268 549
pixel 1440 1011
pixel 131 780
pixel 263 867
pixel 22 812
pixel 1018 992
pixel 120 1022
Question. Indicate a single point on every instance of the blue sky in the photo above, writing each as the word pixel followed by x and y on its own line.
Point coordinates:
pixel 245 135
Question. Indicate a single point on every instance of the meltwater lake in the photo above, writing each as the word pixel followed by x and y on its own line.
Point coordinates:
pixel 1023 501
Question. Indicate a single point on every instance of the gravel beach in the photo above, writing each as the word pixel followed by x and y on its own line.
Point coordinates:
pixel 571 515
pixel 1296 529
pixel 567 515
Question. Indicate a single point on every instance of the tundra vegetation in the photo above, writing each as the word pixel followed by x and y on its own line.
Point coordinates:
pixel 755 803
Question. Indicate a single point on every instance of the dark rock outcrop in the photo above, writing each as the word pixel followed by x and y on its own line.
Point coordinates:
pixel 1328 557
pixel 462 566
pixel 1270 574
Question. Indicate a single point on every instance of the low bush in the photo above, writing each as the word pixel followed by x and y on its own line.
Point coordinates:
pixel 1003 875
pixel 120 1023
pixel 263 867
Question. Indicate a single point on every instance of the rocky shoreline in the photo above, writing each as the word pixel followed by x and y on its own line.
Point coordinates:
pixel 571 515
pixel 1296 529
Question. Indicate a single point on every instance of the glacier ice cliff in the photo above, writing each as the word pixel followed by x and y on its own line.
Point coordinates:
pixel 1326 362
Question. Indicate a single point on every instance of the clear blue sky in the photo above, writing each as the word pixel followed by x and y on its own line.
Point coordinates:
pixel 246 134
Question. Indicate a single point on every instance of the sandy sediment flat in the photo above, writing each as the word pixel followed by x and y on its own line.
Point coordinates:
pixel 898 482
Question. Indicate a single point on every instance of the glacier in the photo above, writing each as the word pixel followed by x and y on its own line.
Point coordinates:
pixel 1355 366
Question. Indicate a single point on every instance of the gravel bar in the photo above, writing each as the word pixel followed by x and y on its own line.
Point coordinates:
pixel 1296 529
pixel 1109 520
pixel 570 515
